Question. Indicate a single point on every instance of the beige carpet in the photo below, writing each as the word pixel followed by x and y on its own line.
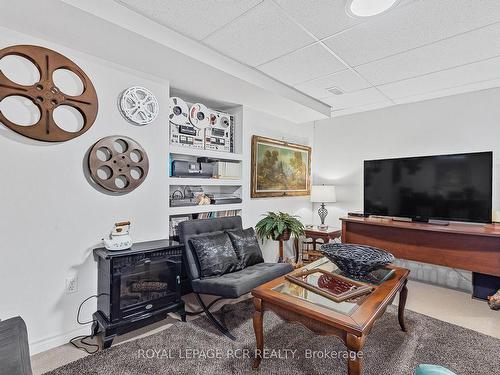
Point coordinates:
pixel 196 348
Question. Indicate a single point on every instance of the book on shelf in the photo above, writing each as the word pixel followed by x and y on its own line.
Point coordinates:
pixel 174 223
pixel 209 215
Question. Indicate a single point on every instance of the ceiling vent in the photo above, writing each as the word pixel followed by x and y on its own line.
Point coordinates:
pixel 335 91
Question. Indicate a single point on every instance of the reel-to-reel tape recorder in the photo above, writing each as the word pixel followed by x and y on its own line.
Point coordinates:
pixel 218 134
pixel 182 131
pixel 199 127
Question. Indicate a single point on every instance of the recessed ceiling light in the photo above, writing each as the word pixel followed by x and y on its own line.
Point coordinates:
pixel 369 8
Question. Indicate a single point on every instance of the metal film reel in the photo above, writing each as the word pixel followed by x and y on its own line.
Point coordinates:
pixel 179 111
pixel 199 116
pixel 118 164
pixel 213 119
pixel 138 105
pixel 47 96
pixel 224 121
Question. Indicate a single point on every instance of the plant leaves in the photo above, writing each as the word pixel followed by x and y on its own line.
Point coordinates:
pixel 273 224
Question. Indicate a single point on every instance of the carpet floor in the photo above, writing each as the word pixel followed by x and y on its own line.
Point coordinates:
pixel 197 348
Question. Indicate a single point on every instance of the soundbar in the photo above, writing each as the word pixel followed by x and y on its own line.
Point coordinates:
pixel 356 214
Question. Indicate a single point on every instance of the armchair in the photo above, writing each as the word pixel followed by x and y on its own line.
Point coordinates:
pixel 228 285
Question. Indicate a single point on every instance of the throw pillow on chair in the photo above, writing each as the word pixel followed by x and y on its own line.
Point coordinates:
pixel 246 246
pixel 215 253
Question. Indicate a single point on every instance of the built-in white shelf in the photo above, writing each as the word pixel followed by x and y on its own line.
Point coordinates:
pixel 204 208
pixel 231 165
pixel 203 181
pixel 223 156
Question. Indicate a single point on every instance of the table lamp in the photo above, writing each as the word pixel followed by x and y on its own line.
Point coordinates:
pixel 323 194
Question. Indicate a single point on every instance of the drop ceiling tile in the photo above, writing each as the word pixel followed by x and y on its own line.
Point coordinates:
pixel 452 78
pixel 260 35
pixel 195 18
pixel 302 65
pixel 464 49
pixel 362 108
pixel 410 26
pixel 476 86
pixel 321 17
pixel 355 99
pixel 345 80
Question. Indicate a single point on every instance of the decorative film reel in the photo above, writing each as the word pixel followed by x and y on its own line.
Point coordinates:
pixel 179 111
pixel 47 96
pixel 199 116
pixel 118 164
pixel 138 105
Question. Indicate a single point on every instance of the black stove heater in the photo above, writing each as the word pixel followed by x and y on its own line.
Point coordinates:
pixel 137 287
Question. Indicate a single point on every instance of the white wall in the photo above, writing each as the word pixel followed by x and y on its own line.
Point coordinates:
pixel 463 123
pixel 51 217
pixel 258 123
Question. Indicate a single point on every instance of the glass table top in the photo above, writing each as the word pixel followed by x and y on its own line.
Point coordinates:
pixel 346 307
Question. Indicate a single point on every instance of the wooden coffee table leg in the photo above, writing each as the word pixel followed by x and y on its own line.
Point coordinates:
pixel 355 361
pixel 402 303
pixel 258 327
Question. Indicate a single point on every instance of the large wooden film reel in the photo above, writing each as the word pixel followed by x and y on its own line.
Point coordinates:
pixel 47 96
pixel 118 164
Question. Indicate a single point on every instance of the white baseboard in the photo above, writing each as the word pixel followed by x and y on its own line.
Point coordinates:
pixel 54 341
pixel 438 275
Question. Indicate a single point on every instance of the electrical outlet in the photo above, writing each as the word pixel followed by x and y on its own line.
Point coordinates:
pixel 71 284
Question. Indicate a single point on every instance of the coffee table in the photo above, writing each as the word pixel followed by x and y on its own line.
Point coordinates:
pixel 351 321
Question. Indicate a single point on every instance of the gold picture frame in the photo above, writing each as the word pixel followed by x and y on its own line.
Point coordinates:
pixel 301 278
pixel 279 169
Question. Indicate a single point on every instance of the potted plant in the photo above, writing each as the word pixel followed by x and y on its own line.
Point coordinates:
pixel 279 227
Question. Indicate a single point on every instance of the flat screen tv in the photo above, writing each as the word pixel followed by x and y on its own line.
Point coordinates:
pixel 443 187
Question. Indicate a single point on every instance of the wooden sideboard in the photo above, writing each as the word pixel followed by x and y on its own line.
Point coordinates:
pixel 470 247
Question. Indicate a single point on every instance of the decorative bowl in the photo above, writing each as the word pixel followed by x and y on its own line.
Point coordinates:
pixel 356 260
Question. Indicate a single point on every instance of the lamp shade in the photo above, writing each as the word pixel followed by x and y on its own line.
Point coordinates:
pixel 323 194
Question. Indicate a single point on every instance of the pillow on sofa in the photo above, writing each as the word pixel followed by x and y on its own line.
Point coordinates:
pixel 246 246
pixel 215 253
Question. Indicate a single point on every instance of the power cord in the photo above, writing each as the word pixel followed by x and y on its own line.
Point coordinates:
pixel 83 338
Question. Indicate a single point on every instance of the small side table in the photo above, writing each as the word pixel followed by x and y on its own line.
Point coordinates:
pixel 315 234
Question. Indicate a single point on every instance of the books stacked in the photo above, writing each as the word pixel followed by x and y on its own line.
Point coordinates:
pixel 209 215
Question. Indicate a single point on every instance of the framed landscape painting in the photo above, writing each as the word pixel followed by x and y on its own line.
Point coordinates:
pixel 279 168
